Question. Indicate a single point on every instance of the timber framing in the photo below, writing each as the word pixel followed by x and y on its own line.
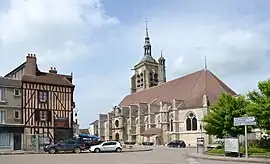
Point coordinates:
pixel 47 109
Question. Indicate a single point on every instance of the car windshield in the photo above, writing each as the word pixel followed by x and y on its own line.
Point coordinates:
pixel 218 142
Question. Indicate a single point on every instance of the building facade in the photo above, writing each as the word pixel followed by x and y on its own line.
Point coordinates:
pixel 93 128
pixel 11 127
pixel 47 101
pixel 102 129
pixel 158 111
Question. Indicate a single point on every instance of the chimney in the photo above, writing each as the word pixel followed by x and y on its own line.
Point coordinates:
pixel 53 70
pixel 30 65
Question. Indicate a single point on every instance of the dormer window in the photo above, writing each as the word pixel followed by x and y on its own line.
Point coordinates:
pixel 43 96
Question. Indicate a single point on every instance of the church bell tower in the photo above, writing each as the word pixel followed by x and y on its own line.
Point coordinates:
pixel 147 71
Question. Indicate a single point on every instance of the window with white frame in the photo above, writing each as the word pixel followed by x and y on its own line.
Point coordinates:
pixel 17 92
pixel 43 96
pixel 191 122
pixel 4 139
pixel 2 94
pixel 2 116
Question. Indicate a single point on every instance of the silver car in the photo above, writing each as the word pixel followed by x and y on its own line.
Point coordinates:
pixel 107 146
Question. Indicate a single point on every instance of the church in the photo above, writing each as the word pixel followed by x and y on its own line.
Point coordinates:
pixel 160 111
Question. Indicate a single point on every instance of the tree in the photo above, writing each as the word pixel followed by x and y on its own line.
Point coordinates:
pixel 219 119
pixel 259 105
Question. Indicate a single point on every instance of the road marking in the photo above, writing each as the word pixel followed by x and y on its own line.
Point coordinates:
pixel 192 161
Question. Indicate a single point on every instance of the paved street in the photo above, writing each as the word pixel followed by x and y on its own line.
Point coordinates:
pixel 157 156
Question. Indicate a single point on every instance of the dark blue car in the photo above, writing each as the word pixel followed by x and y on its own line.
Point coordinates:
pixel 75 146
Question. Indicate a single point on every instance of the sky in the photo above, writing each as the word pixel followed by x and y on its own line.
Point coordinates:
pixel 100 41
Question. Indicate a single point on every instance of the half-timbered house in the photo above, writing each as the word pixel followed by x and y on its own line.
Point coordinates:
pixel 47 100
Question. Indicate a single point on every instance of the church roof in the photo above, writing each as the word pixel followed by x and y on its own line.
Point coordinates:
pixel 148 58
pixel 189 88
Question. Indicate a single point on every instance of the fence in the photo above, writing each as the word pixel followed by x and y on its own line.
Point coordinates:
pixel 35 142
pixel 250 137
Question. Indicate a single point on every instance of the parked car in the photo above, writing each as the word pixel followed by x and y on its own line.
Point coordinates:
pixel 107 146
pixel 148 143
pixel 217 144
pixel 75 146
pixel 177 143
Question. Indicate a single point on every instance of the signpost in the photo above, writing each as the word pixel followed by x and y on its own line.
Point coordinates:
pixel 245 121
pixel 200 145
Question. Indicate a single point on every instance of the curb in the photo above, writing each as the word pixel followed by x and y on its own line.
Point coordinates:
pixel 220 158
pixel 138 150
pixel 18 153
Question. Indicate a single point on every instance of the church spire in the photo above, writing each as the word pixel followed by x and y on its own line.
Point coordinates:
pixel 146 29
pixel 147 45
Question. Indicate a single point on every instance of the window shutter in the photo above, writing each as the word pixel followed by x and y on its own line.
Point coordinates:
pixel 49 116
pixel 37 115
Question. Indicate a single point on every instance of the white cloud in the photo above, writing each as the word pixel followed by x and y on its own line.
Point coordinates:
pixel 53 29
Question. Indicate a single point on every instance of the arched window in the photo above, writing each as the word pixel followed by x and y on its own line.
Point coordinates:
pixel 116 123
pixel 191 122
pixel 171 124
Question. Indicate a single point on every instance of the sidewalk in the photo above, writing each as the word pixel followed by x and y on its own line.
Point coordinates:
pixel 233 159
pixel 18 152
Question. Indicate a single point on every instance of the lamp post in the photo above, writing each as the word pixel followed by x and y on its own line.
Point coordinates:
pixel 76 110
pixel 201 126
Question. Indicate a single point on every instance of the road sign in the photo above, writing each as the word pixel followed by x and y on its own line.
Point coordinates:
pixel 242 121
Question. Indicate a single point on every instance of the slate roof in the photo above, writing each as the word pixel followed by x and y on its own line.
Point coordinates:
pixel 44 77
pixel 5 82
pixel 53 79
pixel 189 88
pixel 148 58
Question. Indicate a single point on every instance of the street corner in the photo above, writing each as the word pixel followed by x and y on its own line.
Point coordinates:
pixel 232 159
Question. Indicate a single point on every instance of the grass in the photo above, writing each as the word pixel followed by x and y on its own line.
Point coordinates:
pixel 252 151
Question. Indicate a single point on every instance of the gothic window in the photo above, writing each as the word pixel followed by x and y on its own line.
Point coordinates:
pixel 191 122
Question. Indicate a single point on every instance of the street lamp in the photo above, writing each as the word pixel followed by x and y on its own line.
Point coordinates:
pixel 201 127
pixel 76 114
